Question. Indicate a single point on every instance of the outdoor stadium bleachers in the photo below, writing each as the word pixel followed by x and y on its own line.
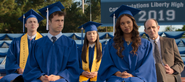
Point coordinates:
pixel 6 39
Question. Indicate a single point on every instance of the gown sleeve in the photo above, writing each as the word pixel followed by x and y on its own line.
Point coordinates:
pixel 71 73
pixel 32 70
pixel 146 71
pixel 11 64
pixel 80 59
pixel 107 67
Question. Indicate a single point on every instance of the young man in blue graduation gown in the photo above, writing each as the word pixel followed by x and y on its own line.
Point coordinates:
pixel 20 47
pixel 55 56
pixel 90 54
pixel 127 57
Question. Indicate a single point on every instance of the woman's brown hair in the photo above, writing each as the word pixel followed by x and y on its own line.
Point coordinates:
pixel 118 37
pixel 84 49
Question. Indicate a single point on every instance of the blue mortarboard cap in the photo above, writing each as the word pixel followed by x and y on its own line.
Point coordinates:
pixel 90 26
pixel 52 8
pixel 48 10
pixel 123 9
pixel 31 13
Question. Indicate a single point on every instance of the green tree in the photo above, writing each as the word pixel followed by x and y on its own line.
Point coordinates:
pixel 74 18
pixel 170 28
pixel 11 10
pixel 182 29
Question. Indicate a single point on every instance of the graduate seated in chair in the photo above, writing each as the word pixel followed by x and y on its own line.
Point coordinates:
pixel 127 57
pixel 53 57
pixel 20 47
pixel 168 61
pixel 90 54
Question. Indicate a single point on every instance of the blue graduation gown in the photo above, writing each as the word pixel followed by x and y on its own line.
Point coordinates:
pixel 12 60
pixel 141 66
pixel 91 55
pixel 59 58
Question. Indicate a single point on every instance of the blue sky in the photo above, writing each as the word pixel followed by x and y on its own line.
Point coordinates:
pixel 77 0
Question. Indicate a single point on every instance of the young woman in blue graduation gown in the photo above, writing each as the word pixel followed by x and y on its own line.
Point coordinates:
pixel 127 57
pixel 90 54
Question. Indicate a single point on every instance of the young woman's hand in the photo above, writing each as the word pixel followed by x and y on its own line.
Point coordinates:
pixel 123 74
pixel 93 74
pixel 86 74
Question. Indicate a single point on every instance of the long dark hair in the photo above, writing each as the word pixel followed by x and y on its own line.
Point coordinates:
pixel 84 49
pixel 118 37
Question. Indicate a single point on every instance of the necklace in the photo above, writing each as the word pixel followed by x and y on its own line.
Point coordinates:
pixel 128 42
